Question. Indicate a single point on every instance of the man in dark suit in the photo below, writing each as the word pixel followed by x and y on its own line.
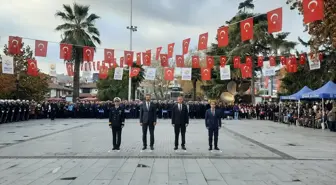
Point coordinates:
pixel 148 121
pixel 180 120
pixel 213 123
pixel 116 123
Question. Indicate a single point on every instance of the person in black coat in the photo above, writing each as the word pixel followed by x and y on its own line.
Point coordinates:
pixel 148 121
pixel 116 123
pixel 180 120
pixel 213 123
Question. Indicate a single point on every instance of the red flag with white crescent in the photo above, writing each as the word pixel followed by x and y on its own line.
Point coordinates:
pixel 195 62
pixel 66 51
pixel 203 41
pixel 185 46
pixel 14 45
pixel 170 50
pixel 236 62
pixel 222 61
pixel 206 73
pixel 210 62
pixel 41 48
pixel 261 61
pixel 146 59
pixel 274 18
pixel 88 53
pixel 103 72
pixel 157 54
pixel 248 61
pixel 246 29
pixel 108 55
pixel 69 68
pixel 169 74
pixel 246 71
pixel 32 69
pixel 302 59
pixel 313 10
pixel 179 61
pixel 138 58
pixel 128 56
pixel 272 61
pixel 121 62
pixel 134 72
pixel 164 60
pixel 223 36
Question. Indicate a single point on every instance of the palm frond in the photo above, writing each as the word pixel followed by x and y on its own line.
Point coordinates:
pixel 92 17
pixel 65 26
pixel 81 12
pixel 93 31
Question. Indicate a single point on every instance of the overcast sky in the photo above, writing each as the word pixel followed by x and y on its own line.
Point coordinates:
pixel 159 23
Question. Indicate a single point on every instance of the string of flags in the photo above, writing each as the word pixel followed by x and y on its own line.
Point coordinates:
pixel 313 10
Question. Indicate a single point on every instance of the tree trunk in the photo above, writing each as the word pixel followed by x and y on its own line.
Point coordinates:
pixel 252 85
pixel 78 59
pixel 194 83
pixel 134 86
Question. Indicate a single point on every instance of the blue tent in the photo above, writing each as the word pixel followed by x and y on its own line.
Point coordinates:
pixel 297 95
pixel 328 91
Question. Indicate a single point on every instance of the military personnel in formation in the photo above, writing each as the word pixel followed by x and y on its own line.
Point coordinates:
pixel 116 123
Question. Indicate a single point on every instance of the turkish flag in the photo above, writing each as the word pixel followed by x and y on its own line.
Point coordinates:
pixel 148 51
pixel 108 55
pixel 158 51
pixel 88 53
pixel 98 65
pixel 69 68
pixel 185 46
pixel 246 29
pixel 14 45
pixel 236 62
pixel 206 73
pixel 179 61
pixel 313 10
pixel 195 62
pixel 223 36
pixel 164 60
pixel 246 71
pixel 169 74
pixel 146 59
pixel 302 59
pixel 103 72
pixel 138 59
pixel 134 72
pixel 272 61
pixel 222 61
pixel 121 64
pixel 291 65
pixel 210 62
pixel 128 55
pixel 41 48
pixel 170 50
pixel 261 61
pixel 283 60
pixel 65 51
pixel 32 69
pixel 274 18
pixel 248 61
pixel 203 41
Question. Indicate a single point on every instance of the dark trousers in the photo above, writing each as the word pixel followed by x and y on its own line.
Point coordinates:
pixel 52 115
pixel 178 129
pixel 145 127
pixel 213 135
pixel 116 136
pixel 332 126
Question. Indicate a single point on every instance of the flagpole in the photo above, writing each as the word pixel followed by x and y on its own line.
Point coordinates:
pixel 132 29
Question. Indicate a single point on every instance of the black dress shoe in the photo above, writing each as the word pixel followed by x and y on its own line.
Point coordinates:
pixel 118 148
pixel 175 148
pixel 152 147
pixel 216 148
pixel 144 148
pixel 210 148
pixel 184 148
pixel 114 148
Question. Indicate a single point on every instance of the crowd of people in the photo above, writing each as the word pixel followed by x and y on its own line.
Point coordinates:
pixel 310 114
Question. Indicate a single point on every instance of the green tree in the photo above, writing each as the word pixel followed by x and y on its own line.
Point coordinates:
pixel 247 4
pixel 195 73
pixel 20 85
pixel 110 88
pixel 78 29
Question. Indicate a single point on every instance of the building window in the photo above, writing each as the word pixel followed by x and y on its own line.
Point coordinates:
pixel 86 90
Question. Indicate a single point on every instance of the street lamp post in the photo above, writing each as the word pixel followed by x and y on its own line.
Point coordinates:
pixel 132 29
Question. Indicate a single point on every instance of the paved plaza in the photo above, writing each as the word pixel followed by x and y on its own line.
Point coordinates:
pixel 77 151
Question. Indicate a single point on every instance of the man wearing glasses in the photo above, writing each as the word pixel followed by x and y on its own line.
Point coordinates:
pixel 116 123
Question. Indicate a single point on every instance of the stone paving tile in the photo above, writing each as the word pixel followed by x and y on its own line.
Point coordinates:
pixel 262 165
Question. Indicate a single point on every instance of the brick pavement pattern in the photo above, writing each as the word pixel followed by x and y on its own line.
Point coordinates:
pixel 76 151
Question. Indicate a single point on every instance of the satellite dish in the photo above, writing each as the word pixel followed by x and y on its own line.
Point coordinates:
pixel 227 97
pixel 232 87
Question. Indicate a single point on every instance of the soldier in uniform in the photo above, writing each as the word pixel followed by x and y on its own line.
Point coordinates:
pixel 116 123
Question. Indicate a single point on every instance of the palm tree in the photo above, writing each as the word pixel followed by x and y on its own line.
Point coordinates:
pixel 137 79
pixel 247 4
pixel 195 76
pixel 78 29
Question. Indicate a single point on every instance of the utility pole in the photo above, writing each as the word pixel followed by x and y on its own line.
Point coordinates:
pixel 132 29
